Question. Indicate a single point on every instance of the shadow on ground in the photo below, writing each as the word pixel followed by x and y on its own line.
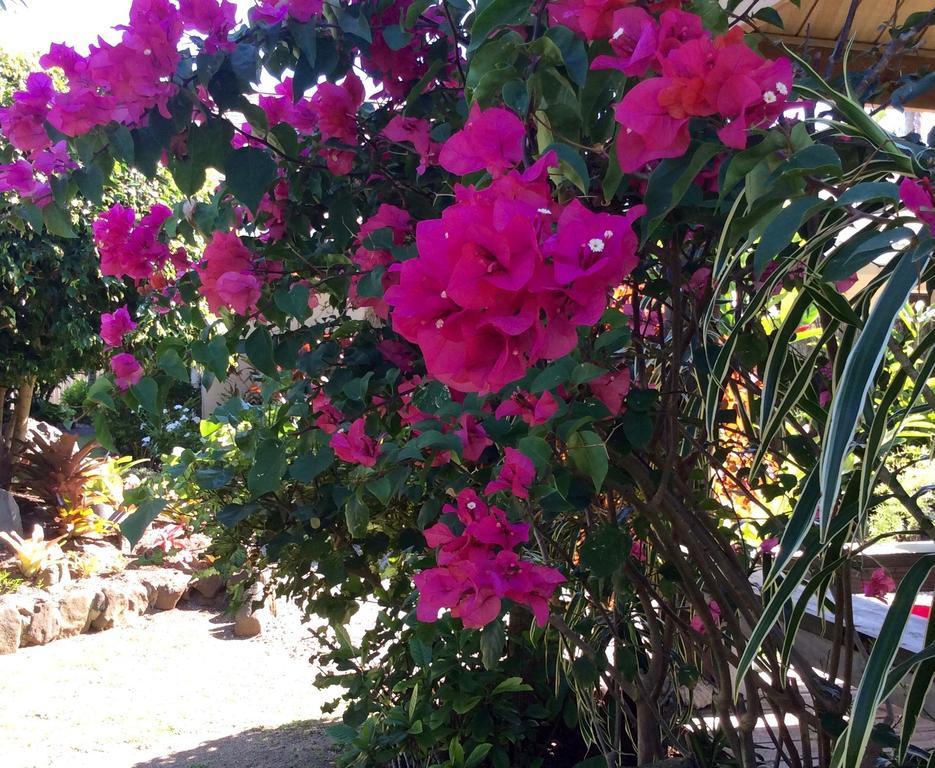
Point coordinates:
pixel 302 744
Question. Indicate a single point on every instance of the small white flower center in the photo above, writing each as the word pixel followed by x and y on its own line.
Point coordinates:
pixel 782 88
pixel 472 505
pixel 769 97
pixel 618 34
pixel 545 211
pixel 608 234
pixel 596 244
pixel 439 323
pixel 444 294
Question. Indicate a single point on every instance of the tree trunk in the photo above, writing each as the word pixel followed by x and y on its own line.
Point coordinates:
pixel 20 422
pixel 2 412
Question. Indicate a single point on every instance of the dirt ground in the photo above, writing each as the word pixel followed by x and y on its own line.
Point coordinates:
pixel 175 689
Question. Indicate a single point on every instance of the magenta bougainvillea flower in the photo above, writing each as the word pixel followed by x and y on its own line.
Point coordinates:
pixel 491 140
pixel 328 418
pixel 530 408
pixel 611 389
pixel 215 20
pixel 718 78
pixel 497 286
pixel 115 325
pixel 227 274
pixel 355 446
pixel 478 568
pixel 130 249
pixel 275 11
pixel 591 19
pixel 127 370
pixel 23 122
pixel 473 437
pixel 768 546
pixel 516 475
pixel 415 131
pixel 641 43
pixel 697 623
pixel 879 585
pixel 917 196
pixel 336 107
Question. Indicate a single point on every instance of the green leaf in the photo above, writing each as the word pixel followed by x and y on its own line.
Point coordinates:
pixel 859 250
pixel 858 374
pixel 589 455
pixel 146 391
pixel 870 691
pixel 492 643
pixel 574 53
pixel 305 37
pixel 269 465
pixel 57 222
pixel 511 685
pixel 259 348
pixel 604 550
pixel 136 524
pixel 556 374
pixel 231 514
pixel 100 392
pixel 171 362
pixel 572 165
pixel 249 173
pixel 309 466
pixel 213 355
pixel 536 449
pixel 497 13
pixel 103 432
pixel 353 22
pixel 357 516
pixel 770 16
pixel 669 182
pixel 381 488
pixel 869 190
pixel 477 755
pixel 780 231
pixel 396 37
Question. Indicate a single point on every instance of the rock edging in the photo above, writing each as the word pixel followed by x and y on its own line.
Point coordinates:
pixel 35 616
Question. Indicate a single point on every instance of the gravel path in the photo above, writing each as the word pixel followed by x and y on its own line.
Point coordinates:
pixel 174 689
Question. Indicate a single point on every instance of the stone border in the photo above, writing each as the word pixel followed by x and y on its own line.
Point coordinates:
pixel 34 616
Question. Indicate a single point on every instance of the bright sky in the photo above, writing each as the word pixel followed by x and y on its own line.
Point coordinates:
pixel 31 29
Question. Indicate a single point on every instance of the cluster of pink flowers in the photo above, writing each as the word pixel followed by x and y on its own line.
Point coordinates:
pixel 126 369
pixel 697 622
pixel 115 325
pixel 507 275
pixel 399 223
pixel 355 446
pixel 276 11
pixel 879 585
pixel 228 276
pixel 699 77
pixel 30 178
pixel 478 568
pixel 128 248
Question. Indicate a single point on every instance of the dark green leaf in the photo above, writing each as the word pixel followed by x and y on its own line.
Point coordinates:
pixel 249 173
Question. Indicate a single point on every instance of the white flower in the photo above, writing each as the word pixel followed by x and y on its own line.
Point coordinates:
pixel 782 88
pixel 769 97
pixel 596 244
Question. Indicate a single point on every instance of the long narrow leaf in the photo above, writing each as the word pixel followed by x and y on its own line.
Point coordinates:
pixel 873 683
pixel 857 377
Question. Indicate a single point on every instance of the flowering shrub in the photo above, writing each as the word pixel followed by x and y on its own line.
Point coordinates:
pixel 584 255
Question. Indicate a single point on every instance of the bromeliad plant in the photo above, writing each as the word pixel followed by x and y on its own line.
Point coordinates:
pixel 554 314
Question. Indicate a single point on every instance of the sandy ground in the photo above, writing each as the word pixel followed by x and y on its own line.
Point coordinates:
pixel 175 689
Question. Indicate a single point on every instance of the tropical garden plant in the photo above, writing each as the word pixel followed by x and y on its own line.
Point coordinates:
pixel 560 357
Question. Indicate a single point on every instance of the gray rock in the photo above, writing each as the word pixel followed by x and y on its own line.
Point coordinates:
pixel 249 622
pixel 11 629
pixel 116 606
pixel 164 586
pixel 74 607
pixel 45 624
pixel 10 520
pixel 208 587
